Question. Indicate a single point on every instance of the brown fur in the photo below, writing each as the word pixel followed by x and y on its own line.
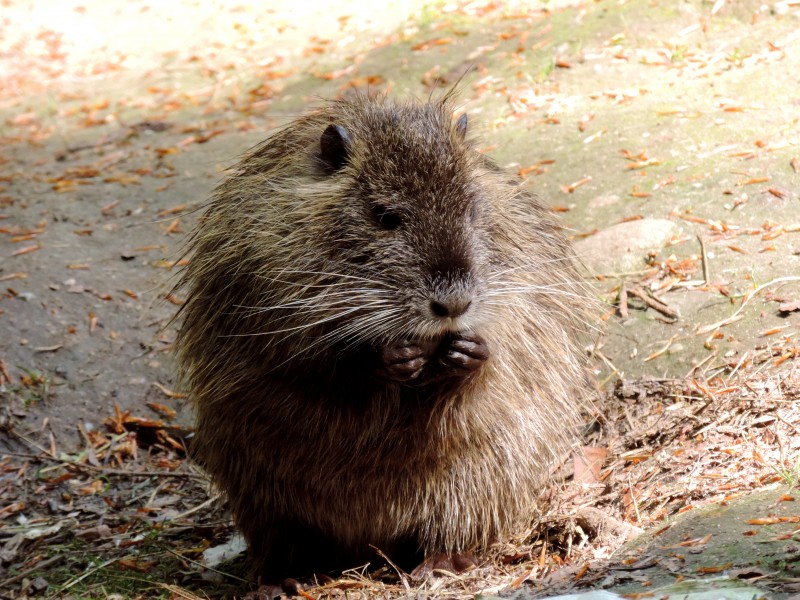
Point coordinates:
pixel 296 287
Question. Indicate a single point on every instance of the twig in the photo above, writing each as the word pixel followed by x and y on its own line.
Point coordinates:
pixel 787 423
pixel 616 275
pixel 658 353
pixel 196 508
pixel 180 592
pixel 69 150
pixel 623 300
pixel 202 566
pixel 633 500
pixel 614 371
pixel 704 256
pixel 397 569
pixel 105 470
pixel 40 565
pixel 740 363
pixel 655 303
pixel 82 577
pixel 696 367
pixel 746 299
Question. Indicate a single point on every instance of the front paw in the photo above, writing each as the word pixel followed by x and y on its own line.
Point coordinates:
pixel 464 354
pixel 402 362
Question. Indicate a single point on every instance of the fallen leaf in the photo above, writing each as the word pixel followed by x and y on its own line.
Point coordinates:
pixel 83 172
pixel 773 520
pixel 140 566
pixel 162 409
pixel 581 572
pixel 99 532
pixel 696 541
pixel 776 192
pixel 11 276
pixel 335 74
pixel 772 331
pixel 174 227
pixel 168 392
pixel 167 151
pixel 717 569
pixel 430 43
pixel 790 306
pixel 26 250
pixel 644 163
pixel 753 180
pixel 93 488
pixel 568 189
pixel 587 464
pixel 12 508
pixel 123 179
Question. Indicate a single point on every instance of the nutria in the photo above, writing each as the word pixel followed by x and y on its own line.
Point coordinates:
pixel 380 337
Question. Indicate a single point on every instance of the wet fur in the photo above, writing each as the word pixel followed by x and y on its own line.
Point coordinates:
pixel 293 288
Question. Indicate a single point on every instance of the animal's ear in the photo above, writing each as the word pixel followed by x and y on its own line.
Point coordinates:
pixel 461 126
pixel 334 147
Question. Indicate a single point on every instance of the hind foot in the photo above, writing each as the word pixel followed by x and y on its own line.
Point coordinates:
pixel 444 564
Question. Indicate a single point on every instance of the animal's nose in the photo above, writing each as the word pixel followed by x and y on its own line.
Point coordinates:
pixel 450 307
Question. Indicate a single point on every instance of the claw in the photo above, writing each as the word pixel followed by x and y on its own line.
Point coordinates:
pixel 465 354
pixel 403 361
pixel 439 564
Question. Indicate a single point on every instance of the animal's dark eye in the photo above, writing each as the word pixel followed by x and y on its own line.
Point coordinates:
pixel 386 217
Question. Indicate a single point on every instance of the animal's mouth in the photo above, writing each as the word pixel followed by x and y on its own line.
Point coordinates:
pixel 432 344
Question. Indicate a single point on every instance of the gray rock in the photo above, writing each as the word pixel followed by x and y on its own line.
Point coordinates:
pixel 624 247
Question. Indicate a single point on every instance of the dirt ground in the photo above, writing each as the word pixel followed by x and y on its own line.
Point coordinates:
pixel 664 133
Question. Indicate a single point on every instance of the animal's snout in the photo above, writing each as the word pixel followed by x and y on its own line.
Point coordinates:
pixel 450 306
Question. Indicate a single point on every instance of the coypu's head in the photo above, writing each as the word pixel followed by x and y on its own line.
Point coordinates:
pixel 408 231
pixel 363 224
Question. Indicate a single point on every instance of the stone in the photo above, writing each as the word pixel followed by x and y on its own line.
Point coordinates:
pixel 624 247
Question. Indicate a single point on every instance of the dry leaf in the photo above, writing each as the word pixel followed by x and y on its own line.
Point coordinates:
pixel 93 488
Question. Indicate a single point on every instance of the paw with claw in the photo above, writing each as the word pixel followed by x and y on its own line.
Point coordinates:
pixel 403 361
pixel 464 354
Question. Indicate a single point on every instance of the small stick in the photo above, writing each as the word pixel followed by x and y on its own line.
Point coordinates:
pixel 655 304
pixel 105 470
pixel 82 577
pixel 635 502
pixel 695 368
pixel 704 255
pixel 202 566
pixel 40 565
pixel 623 300
pixel 746 299
pixel 196 508
pixel 400 573
pixel 658 353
